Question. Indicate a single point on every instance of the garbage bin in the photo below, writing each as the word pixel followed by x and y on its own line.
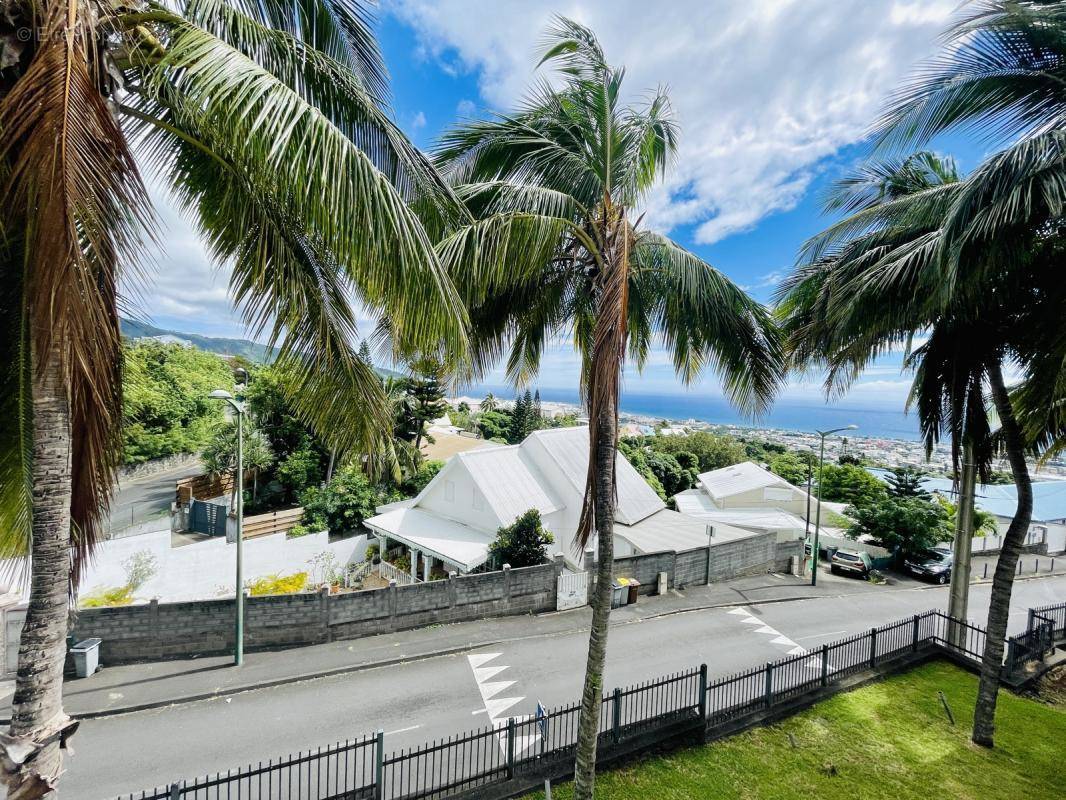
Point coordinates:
pixel 619 596
pixel 86 657
pixel 634 588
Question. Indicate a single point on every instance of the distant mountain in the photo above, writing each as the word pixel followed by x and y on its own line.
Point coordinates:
pixel 253 351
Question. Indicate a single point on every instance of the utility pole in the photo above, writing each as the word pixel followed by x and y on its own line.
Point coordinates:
pixel 959 594
pixel 818 507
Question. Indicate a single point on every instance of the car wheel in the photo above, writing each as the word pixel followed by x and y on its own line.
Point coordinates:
pixel 942 578
pixel 833 569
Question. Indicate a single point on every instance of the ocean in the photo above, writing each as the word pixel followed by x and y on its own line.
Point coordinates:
pixel 798 415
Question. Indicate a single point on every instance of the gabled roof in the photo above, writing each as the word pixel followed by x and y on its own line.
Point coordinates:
pixel 509 481
pixel 568 448
pixel 740 478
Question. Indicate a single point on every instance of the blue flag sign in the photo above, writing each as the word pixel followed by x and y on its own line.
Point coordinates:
pixel 542 719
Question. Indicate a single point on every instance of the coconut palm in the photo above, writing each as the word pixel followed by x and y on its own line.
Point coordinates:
pixel 1002 74
pixel 869 284
pixel 558 249
pixel 489 403
pixel 268 124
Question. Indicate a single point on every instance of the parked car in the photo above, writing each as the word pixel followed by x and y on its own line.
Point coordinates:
pixel 851 563
pixel 933 565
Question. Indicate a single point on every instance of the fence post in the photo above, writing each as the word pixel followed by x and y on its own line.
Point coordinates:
pixel 1010 656
pixel 703 692
pixel 616 715
pixel 769 684
pixel 379 766
pixel 825 665
pixel 1029 620
pixel 510 747
pixel 873 647
pixel 175 791
pixel 914 634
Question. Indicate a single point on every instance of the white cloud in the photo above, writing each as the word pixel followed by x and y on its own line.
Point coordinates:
pixel 465 108
pixel 764 90
pixel 418 121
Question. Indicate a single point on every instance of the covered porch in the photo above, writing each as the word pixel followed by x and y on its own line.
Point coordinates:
pixel 431 541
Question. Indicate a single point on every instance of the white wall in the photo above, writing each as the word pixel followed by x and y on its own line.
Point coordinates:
pixel 206 569
pixel 460 507
pixel 758 498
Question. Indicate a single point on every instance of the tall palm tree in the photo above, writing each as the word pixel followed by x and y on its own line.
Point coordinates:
pixel 558 249
pixel 489 403
pixel 1002 74
pixel 268 123
pixel 870 283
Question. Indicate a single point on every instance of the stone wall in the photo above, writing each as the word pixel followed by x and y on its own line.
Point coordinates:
pixel 177 630
pixel 751 555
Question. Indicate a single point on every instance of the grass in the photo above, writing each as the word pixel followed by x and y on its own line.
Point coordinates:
pixel 888 740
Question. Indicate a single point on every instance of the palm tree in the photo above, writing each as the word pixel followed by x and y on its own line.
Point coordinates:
pixel 870 283
pixel 219 456
pixel 489 403
pixel 268 123
pixel 558 249
pixel 1002 74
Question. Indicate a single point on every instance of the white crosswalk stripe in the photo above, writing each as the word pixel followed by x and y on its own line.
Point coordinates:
pixel 496 706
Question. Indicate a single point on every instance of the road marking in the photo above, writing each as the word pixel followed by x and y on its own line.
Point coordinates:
pixel 819 636
pixel 790 647
pixel 403 730
pixel 496 706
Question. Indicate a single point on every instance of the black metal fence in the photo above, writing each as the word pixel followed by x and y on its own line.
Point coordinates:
pixel 1055 613
pixel 544 746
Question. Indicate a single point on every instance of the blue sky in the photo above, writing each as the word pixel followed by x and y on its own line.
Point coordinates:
pixel 773 97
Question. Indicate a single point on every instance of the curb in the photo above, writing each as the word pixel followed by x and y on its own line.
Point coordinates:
pixel 351 668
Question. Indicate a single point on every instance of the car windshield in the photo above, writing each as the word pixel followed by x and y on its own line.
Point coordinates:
pixel 849 557
pixel 935 555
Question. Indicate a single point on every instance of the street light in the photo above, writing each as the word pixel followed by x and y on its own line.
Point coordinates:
pixel 238 406
pixel 818 513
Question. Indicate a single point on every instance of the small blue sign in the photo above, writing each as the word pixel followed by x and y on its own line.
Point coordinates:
pixel 542 719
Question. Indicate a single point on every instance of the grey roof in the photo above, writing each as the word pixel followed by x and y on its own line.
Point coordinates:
pixel 740 478
pixel 669 530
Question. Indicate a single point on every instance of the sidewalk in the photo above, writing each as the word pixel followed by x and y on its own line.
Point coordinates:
pixel 135 687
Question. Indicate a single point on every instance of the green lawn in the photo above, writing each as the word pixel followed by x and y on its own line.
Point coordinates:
pixel 887 740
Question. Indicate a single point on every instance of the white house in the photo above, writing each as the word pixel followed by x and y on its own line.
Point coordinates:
pixel 747 496
pixel 455 518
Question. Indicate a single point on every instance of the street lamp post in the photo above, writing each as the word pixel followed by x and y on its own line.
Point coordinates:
pixel 818 512
pixel 238 406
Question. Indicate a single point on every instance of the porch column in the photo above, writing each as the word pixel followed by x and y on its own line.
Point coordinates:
pixel 414 564
pixel 427 565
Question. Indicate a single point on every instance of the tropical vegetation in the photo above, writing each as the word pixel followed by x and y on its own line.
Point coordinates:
pixel 268 125
pixel 558 248
pixel 523 543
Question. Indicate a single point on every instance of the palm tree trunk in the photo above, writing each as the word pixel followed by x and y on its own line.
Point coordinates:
pixel 37 716
pixel 1003 582
pixel 592 694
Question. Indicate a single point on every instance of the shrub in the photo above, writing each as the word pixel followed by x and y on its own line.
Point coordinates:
pixel 277 584
pixel 342 504
pixel 103 598
pixel 523 543
pixel 140 567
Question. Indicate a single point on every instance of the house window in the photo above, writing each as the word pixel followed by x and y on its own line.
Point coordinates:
pixel 479 501
pixel 449 491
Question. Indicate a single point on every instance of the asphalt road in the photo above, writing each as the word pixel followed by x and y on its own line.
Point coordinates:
pixel 423 700
pixel 143 499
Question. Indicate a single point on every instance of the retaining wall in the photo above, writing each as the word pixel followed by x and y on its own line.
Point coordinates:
pixel 751 555
pixel 157 630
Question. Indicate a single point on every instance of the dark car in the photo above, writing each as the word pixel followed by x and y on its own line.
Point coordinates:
pixel 931 565
pixel 850 563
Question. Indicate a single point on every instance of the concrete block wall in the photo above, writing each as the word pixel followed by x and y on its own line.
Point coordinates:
pixel 751 555
pixel 156 630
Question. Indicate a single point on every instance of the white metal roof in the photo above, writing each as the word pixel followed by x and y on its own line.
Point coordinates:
pixel 669 530
pixel 437 536
pixel 510 482
pixel 696 504
pixel 568 448
pixel 740 478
